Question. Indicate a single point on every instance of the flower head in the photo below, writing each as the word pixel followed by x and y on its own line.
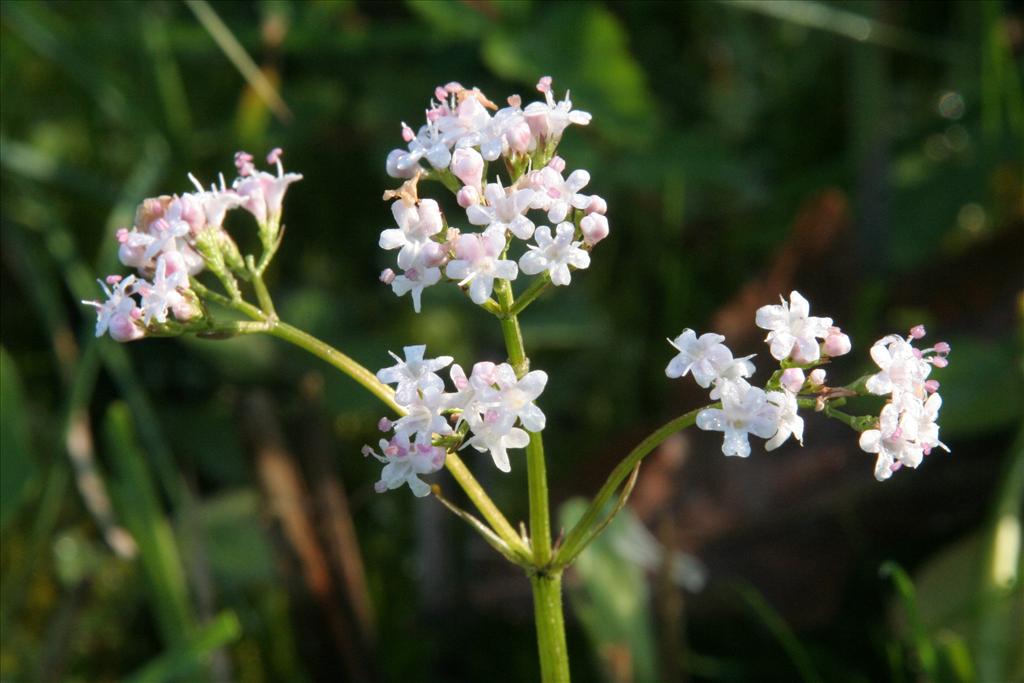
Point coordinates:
pixel 404 461
pixel 555 254
pixel 706 358
pixel 477 263
pixel 414 373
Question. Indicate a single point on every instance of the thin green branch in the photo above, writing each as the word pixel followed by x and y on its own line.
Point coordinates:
pixel 599 528
pixel 515 555
pixel 572 545
pixel 536 288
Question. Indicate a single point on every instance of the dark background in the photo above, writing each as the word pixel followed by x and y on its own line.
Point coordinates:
pixel 189 509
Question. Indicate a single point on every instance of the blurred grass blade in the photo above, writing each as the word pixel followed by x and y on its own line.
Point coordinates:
pixel 17 466
pixel 825 17
pixel 775 624
pixel 922 644
pixel 139 506
pixel 1001 590
pixel 237 55
pixel 183 662
pixel 169 83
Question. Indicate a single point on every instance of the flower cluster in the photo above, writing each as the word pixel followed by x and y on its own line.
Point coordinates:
pixel 907 429
pixel 491 410
pixel 458 141
pixel 176 237
pixel 745 409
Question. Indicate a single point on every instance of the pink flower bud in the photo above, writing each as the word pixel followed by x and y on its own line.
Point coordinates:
pixel 792 379
pixel 175 262
pixel 274 156
pixel 557 163
pixel 440 94
pixel 931 386
pixel 597 205
pixel 407 134
pixel 123 328
pixel 468 166
pixel 183 309
pixel 468 196
pixel 384 424
pixel 387 276
pixel 817 377
pixel 243 162
pixel 544 84
pixel 515 101
pixel 917 331
pixel 113 279
pixel 836 343
pixel 939 361
pixel 366 451
pixel 942 347
pixel 434 254
pixel 594 227
pixel 519 137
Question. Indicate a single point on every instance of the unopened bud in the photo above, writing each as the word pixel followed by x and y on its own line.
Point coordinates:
pixel 917 331
pixel 594 227
pixel 836 343
pixel 468 166
pixel 387 276
pixel 817 377
pixel 597 205
pixel 468 196
pixel 792 379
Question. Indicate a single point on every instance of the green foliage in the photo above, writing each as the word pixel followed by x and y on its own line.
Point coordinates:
pixel 17 466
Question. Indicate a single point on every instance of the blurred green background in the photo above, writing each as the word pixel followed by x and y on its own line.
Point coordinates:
pixel 196 510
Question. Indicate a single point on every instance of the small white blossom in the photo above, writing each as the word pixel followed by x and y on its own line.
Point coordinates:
pixel 491 432
pixel 789 421
pixel 262 194
pixel 555 255
pixel 414 373
pixel 517 396
pixel 904 369
pixel 555 194
pixel 119 313
pixel 474 394
pixel 404 462
pixel 707 358
pixel 416 225
pixel 424 418
pixel 162 294
pixel 792 331
pixel 415 280
pixel 503 210
pixel 477 264
pixel 745 410
pixel 894 446
pixel 549 119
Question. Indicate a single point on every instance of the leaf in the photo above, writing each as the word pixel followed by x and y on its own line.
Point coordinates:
pixel 135 497
pixel 17 466
pixel 612 600
pixel 182 663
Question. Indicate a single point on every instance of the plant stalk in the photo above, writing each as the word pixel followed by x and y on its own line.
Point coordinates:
pixel 547 610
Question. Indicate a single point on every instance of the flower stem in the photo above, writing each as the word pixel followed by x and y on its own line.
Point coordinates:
pixel 546 584
pixel 547 609
pixel 579 533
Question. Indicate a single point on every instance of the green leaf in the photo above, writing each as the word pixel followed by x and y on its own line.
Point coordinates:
pixel 135 497
pixel 17 467
pixel 183 662
pixel 612 600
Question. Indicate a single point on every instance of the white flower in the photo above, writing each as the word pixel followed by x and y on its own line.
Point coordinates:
pixel 415 280
pixel 216 202
pixel 517 396
pixel 416 225
pixel 793 332
pixel 793 379
pixel 414 374
pixel 492 432
pixel 707 358
pixel 555 255
pixel 468 166
pixel 895 447
pixel 463 125
pixel 504 211
pixel 404 462
pixel 556 194
pixel 162 294
pixel 745 409
pixel 473 394
pixel 789 421
pixel 903 368
pixel 477 263
pixel 429 143
pixel 262 194
pixel 119 312
pixel 549 119
pixel 424 418
pixel 919 418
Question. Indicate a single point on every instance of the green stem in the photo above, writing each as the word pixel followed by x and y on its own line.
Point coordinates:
pixel 546 584
pixel 547 611
pixel 578 534
pixel 536 288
